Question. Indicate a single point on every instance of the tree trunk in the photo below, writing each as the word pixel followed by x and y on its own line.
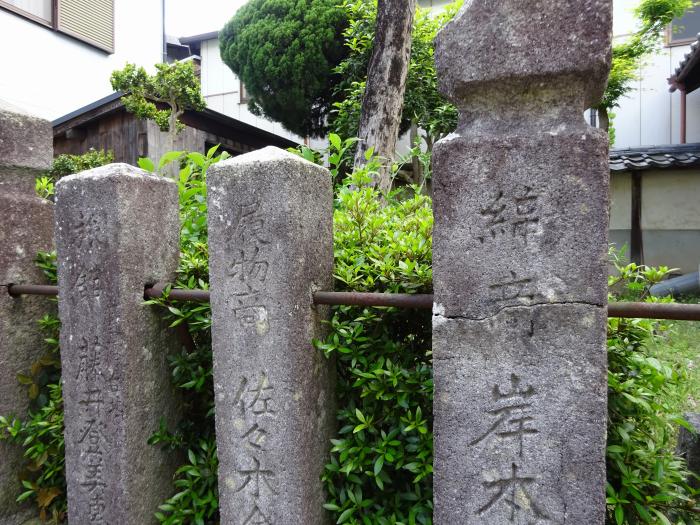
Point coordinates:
pixel 382 103
pixel 172 126
pixel 415 161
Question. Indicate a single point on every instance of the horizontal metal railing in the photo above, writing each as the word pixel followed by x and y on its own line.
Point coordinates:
pixel 671 311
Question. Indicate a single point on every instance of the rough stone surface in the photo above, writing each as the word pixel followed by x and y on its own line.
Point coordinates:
pixel 689 446
pixel 526 41
pixel 25 141
pixel 519 395
pixel 116 231
pixel 520 220
pixel 519 262
pixel 27 229
pixel 270 247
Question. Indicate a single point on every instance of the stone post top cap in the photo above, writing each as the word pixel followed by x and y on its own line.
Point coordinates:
pixel 117 171
pixel 492 41
pixel 25 139
pixel 264 155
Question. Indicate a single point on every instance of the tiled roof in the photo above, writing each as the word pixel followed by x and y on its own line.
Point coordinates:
pixel 657 157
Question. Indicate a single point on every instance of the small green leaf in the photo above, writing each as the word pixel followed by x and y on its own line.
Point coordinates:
pixel 146 164
pixel 345 516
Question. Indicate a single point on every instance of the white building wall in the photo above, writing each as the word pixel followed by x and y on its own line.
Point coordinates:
pixel 650 115
pixel 50 74
pixel 434 5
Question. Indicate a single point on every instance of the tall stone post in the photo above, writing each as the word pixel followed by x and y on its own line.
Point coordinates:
pixel 270 248
pixel 116 231
pixel 688 446
pixel 26 148
pixel 520 243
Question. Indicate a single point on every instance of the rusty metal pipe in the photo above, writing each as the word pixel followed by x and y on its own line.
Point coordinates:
pixel 15 290
pixel 684 114
pixel 398 300
pixel 671 311
pixel 177 294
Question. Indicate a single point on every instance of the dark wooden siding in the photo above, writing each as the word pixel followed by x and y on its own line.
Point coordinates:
pixel 119 132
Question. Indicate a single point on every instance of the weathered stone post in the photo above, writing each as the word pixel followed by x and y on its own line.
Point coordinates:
pixel 689 446
pixel 26 148
pixel 270 248
pixel 520 242
pixel 116 231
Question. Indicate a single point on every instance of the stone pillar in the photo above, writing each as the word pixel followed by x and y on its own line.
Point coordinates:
pixel 520 246
pixel 689 447
pixel 116 231
pixel 270 248
pixel 26 148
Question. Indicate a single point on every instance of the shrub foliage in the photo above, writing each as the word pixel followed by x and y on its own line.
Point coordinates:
pixel 380 470
pixel 284 51
pixel 67 164
pixel 647 481
pixel 40 432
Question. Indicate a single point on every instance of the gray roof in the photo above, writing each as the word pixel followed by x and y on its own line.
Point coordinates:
pixel 657 157
pixel 212 35
pixel 686 74
pixel 206 120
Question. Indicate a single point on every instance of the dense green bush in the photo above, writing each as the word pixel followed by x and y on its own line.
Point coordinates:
pixel 284 51
pixel 67 164
pixel 380 469
pixel 195 498
pixel 647 481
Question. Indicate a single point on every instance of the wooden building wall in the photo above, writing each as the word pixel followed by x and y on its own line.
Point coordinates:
pixel 119 132
pixel 130 138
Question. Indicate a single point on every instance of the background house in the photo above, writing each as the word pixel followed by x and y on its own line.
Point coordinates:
pixel 223 90
pixel 65 52
pixel 107 125
pixel 655 160
pixel 651 114
pixel 58 54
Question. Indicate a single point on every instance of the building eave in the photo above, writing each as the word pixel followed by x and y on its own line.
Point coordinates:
pixel 676 156
pixel 212 35
pixel 687 74
pixel 206 120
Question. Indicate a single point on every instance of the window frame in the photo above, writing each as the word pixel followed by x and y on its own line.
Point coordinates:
pixel 32 17
pixel 677 43
pixel 682 42
pixel 54 26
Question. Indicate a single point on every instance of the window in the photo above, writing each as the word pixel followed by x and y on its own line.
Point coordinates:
pixel 685 30
pixel 91 21
pixel 38 10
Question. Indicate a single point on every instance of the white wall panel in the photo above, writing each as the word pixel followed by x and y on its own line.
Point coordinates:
pixel 655 102
pixel 50 74
pixel 670 200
